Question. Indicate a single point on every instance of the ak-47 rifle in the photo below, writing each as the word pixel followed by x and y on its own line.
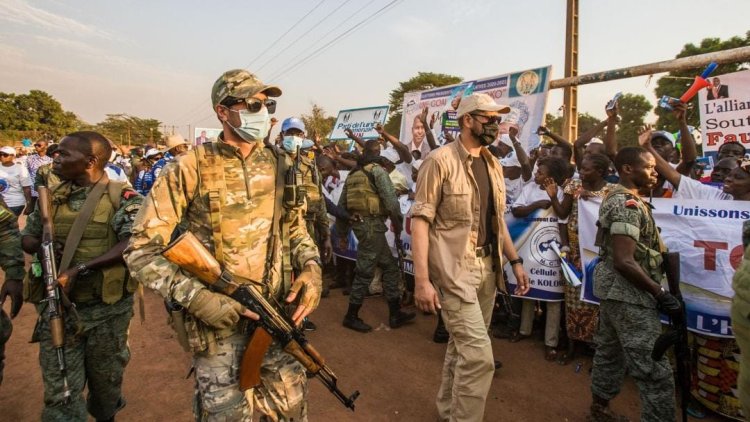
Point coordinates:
pixel 190 255
pixel 677 334
pixel 52 289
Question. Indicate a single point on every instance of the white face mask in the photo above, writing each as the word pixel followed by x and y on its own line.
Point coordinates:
pixel 254 126
pixel 291 143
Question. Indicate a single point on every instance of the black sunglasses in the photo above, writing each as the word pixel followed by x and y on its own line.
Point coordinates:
pixel 490 119
pixel 253 104
pixel 2 154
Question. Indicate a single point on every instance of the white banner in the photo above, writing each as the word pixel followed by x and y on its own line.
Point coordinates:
pixel 725 111
pixel 708 236
pixel 525 92
pixel 361 121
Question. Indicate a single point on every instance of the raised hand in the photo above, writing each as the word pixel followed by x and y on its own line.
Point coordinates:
pixel 644 136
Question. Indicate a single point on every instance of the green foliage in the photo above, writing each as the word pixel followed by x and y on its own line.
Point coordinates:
pixel 585 122
pixel 36 115
pixel 123 129
pixel 317 123
pixel 675 83
pixel 632 110
pixel 421 82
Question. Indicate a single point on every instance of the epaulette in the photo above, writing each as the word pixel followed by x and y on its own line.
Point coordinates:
pixel 631 203
pixel 128 193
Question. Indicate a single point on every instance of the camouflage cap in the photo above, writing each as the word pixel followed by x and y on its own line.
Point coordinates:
pixel 240 83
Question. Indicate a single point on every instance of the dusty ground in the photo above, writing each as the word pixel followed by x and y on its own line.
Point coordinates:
pixel 396 371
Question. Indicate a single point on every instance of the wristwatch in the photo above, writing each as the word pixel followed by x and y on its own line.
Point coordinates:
pixel 81 268
pixel 518 260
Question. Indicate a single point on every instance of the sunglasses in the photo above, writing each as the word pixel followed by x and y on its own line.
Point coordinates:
pixel 2 154
pixel 254 105
pixel 38 145
pixel 488 119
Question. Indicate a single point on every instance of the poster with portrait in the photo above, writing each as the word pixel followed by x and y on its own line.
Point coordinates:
pixel 361 121
pixel 205 134
pixel 525 92
pixel 725 111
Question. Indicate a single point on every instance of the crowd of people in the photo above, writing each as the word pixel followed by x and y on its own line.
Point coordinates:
pixel 273 211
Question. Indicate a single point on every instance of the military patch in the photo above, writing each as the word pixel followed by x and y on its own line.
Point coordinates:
pixel 631 203
pixel 132 208
pixel 129 193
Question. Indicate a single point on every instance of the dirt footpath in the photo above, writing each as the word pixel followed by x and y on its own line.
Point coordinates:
pixel 396 371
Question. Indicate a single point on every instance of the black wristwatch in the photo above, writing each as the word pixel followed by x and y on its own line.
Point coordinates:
pixel 518 260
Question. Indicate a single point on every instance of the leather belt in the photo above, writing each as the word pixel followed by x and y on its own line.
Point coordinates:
pixel 484 251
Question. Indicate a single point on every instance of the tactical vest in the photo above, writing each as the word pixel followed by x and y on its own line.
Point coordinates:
pixel 211 180
pixel 361 196
pixel 108 284
pixel 311 184
pixel 648 256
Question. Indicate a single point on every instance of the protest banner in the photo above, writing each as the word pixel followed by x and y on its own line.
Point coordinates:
pixel 361 121
pixel 725 111
pixel 708 237
pixel 525 92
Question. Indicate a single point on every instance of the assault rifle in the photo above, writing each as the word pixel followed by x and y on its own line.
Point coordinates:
pixel 52 289
pixel 190 255
pixel 677 334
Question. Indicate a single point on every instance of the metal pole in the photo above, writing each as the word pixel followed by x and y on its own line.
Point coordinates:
pixel 570 94
pixel 734 55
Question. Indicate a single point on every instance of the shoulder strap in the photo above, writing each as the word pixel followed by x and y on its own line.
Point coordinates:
pixel 286 266
pixel 114 190
pixel 81 221
pixel 211 175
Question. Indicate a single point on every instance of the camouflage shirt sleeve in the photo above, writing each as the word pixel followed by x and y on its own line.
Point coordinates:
pixel 321 218
pixel 152 229
pixel 33 226
pixel 130 203
pixel 302 246
pixel 387 192
pixel 621 215
pixel 342 226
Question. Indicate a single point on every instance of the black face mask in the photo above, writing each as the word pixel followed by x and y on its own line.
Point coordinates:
pixel 488 134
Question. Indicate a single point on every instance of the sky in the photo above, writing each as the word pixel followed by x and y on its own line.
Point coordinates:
pixel 159 59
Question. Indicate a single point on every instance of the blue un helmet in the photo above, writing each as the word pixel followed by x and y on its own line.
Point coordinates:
pixel 292 123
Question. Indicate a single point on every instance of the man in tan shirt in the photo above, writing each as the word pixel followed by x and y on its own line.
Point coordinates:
pixel 458 234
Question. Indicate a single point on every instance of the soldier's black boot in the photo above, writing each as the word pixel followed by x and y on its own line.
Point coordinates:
pixel 397 317
pixel 352 320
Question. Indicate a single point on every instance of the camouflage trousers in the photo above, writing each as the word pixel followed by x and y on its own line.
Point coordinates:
pixel 6 329
pixel 97 358
pixel 372 252
pixel 282 395
pixel 741 329
pixel 624 340
pixel 11 256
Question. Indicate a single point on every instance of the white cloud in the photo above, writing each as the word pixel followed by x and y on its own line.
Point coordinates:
pixel 21 12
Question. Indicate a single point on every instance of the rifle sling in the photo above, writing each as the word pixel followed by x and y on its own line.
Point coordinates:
pixel 80 223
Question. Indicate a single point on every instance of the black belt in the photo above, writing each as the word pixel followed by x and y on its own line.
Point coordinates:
pixel 484 251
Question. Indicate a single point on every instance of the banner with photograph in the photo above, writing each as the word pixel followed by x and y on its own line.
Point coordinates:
pixel 525 92
pixel 361 121
pixel 205 134
pixel 725 111
pixel 709 239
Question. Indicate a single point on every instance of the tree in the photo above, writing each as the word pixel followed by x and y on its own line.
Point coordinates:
pixel 317 123
pixel 124 129
pixel 632 111
pixel 36 112
pixel 675 83
pixel 421 82
pixel 585 122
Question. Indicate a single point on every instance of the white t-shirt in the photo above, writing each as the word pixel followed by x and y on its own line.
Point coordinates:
pixel 532 192
pixel 693 189
pixel 17 177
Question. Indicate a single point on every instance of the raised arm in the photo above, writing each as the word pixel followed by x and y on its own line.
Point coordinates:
pixel 689 150
pixel 354 137
pixel 521 155
pixel 427 129
pixel 403 150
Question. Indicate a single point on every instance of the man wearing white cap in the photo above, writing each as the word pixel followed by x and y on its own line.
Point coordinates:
pixel 145 178
pixel 18 194
pixel 458 239
pixel 176 146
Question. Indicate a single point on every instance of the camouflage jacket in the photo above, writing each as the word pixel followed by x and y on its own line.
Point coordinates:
pixel 247 199
pixel 316 205
pixel 623 213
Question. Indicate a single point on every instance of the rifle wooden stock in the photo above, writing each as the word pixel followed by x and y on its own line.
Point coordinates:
pixel 253 358
pixel 187 252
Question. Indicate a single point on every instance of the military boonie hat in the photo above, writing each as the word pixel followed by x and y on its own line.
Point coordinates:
pixel 240 83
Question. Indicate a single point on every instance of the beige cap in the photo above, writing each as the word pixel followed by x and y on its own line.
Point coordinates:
pixel 479 102
pixel 175 141
pixel 8 150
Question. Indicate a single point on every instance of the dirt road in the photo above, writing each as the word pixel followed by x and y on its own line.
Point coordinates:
pixel 396 371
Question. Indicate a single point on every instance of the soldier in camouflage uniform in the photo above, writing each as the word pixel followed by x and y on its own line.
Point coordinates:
pixel 11 260
pixel 370 198
pixel 741 319
pixel 96 282
pixel 230 194
pixel 628 281
pixel 316 218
